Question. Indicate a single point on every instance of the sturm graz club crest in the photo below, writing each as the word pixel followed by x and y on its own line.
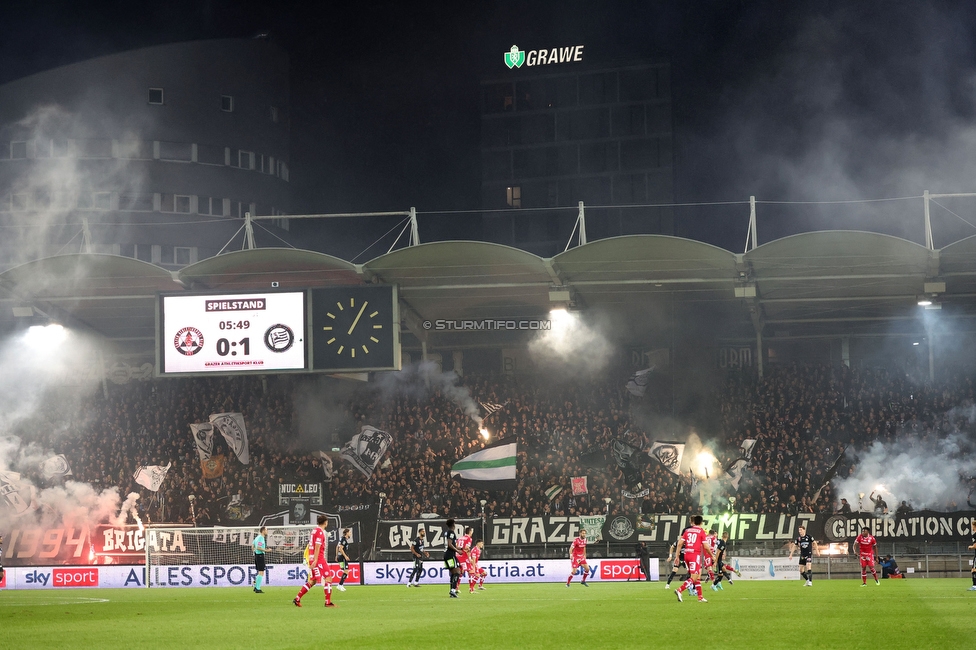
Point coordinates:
pixel 188 341
pixel 279 338
pixel 514 58
pixel 621 528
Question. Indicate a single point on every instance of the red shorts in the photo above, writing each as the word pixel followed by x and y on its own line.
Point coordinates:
pixel 469 568
pixel 319 573
pixel 578 562
pixel 867 561
pixel 708 562
pixel 693 562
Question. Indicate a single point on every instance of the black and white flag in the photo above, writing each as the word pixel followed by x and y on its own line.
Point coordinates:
pixel 326 460
pixel 151 476
pixel 231 427
pixel 366 448
pixel 637 384
pixel 55 466
pixel 16 496
pixel 490 408
pixel 735 472
pixel 747 446
pixel 669 454
pixel 203 438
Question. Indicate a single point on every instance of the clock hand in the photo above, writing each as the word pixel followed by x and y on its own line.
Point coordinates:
pixel 356 322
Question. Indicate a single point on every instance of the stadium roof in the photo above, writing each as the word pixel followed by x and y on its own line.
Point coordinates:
pixel 830 283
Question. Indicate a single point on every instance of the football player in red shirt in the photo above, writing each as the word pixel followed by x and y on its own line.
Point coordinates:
pixel 577 555
pixel 711 541
pixel 867 548
pixel 318 563
pixel 475 573
pixel 691 546
pixel 464 547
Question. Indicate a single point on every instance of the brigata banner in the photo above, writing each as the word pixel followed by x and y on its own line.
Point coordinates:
pixel 64 577
pixel 503 571
pixel 767 568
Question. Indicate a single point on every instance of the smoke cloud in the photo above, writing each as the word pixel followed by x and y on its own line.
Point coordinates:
pixel 45 378
pixel 572 346
pixel 925 471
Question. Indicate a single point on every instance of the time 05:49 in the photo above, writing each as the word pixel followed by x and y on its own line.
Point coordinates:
pixel 235 325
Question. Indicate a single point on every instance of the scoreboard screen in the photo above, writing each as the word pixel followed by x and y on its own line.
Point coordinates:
pixel 232 333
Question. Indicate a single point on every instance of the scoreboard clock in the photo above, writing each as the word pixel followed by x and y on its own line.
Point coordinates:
pixel 232 333
pixel 355 328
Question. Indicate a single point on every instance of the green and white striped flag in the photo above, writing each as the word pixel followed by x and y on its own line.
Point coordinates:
pixel 553 492
pixel 492 468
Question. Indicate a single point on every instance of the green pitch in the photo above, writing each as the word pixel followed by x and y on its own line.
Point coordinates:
pixel 898 614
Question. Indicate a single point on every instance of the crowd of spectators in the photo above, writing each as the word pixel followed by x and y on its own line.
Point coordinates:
pixel 803 418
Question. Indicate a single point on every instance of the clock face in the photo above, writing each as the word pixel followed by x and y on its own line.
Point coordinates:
pixel 355 328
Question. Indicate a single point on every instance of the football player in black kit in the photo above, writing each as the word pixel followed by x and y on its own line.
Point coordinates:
pixel 805 544
pixel 342 556
pixel 418 552
pixel 674 569
pixel 723 569
pixel 450 556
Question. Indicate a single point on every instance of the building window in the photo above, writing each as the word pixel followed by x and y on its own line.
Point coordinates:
pixel 102 200
pixel 155 95
pixel 245 159
pixel 18 150
pixel 274 114
pixel 136 202
pixel 513 196
pixel 182 255
pixel 227 103
pixel 182 204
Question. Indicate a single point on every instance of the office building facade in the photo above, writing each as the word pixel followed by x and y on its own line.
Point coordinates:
pixel 554 135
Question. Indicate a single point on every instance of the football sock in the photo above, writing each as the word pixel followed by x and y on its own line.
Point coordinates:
pixel 328 593
pixel 687 584
pixel 257 581
pixel 864 577
pixel 343 578
pixel 974 578
pixel 671 577
pixel 302 591
pixel 698 589
pixel 569 579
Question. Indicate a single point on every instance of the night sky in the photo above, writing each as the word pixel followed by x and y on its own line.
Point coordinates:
pixel 788 101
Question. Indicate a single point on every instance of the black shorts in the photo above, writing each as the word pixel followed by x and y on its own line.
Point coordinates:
pixel 806 559
pixel 451 562
pixel 259 562
pixel 343 564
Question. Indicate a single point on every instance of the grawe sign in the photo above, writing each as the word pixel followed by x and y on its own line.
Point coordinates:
pixel 515 57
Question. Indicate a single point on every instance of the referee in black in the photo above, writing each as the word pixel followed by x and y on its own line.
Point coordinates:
pixel 418 552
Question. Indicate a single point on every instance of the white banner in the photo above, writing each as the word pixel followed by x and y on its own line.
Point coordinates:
pixel 767 568
pixel 501 571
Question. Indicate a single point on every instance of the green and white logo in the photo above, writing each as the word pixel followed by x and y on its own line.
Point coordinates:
pixel 514 58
